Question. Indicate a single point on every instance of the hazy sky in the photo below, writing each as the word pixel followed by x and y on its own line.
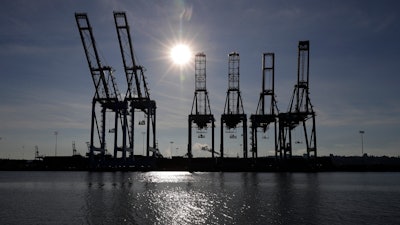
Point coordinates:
pixel 354 68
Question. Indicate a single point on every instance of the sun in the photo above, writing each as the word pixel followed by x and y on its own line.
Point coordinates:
pixel 181 54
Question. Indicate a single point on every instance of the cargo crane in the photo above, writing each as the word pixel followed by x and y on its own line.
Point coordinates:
pixel 267 110
pixel 233 111
pixel 201 112
pixel 300 110
pixel 106 98
pixel 137 96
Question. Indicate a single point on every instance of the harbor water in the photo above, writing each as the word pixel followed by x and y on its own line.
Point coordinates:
pixel 34 197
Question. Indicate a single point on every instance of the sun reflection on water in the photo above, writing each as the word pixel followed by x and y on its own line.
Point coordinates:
pixel 170 202
pixel 167 177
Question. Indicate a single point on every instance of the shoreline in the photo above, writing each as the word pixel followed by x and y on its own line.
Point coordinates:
pixel 265 164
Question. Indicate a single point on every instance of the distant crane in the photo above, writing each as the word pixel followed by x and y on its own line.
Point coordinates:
pixel 74 151
pixel 37 155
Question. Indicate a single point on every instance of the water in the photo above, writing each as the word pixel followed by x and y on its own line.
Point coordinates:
pixel 199 198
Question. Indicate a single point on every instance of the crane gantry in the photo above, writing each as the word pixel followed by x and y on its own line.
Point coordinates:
pixel 301 110
pixel 201 115
pixel 234 111
pixel 267 110
pixel 137 95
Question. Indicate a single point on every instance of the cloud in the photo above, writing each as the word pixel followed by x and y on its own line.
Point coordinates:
pixel 351 115
pixel 201 149
pixel 35 112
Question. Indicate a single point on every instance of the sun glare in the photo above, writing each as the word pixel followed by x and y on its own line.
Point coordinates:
pixel 180 54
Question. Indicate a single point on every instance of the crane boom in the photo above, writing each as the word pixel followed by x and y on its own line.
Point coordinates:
pixel 132 70
pixel 96 69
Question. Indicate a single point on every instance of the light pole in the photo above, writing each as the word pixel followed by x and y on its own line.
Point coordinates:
pixel 171 142
pixel 362 142
pixel 55 150
pixel 143 141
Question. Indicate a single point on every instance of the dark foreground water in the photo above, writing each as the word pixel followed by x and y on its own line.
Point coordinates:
pixel 199 198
